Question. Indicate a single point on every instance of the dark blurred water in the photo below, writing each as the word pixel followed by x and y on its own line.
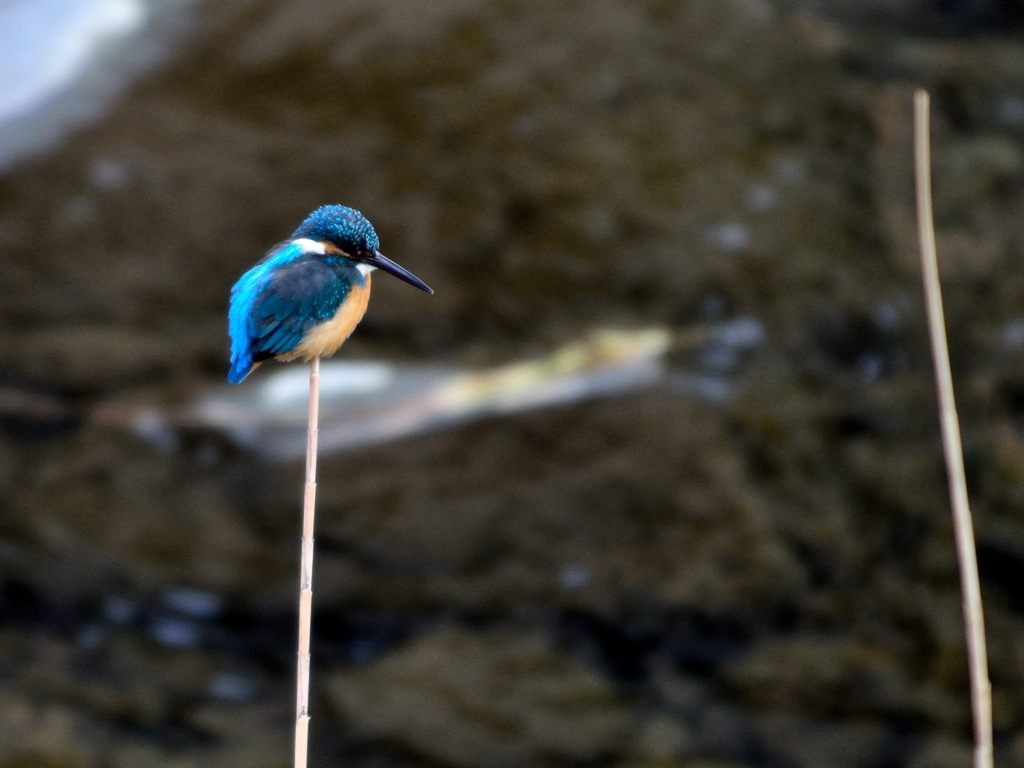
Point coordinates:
pixel 746 561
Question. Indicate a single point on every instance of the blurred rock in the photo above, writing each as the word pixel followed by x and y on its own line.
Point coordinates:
pixel 943 752
pixel 86 358
pixel 499 698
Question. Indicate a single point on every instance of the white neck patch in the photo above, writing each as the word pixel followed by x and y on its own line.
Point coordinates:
pixel 315 246
pixel 309 246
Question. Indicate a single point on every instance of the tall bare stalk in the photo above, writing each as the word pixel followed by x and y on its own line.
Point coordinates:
pixel 974 619
pixel 306 568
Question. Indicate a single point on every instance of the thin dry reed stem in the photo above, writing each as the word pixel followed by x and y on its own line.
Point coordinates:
pixel 306 575
pixel 974 619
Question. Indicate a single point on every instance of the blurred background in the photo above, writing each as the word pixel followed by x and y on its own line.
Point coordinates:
pixel 654 480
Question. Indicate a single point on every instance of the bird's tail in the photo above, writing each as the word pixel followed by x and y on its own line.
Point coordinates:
pixel 240 368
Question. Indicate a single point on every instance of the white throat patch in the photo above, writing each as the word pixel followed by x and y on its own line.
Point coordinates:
pixel 364 268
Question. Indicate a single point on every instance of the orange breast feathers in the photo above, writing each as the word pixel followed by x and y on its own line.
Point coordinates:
pixel 325 339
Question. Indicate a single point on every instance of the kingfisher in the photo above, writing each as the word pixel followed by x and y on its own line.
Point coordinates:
pixel 307 295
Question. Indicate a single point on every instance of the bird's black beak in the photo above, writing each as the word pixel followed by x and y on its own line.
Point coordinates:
pixel 379 260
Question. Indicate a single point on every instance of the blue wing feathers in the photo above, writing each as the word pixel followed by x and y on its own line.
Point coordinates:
pixel 276 302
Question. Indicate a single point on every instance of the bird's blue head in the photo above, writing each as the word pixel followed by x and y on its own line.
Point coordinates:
pixel 352 233
pixel 341 226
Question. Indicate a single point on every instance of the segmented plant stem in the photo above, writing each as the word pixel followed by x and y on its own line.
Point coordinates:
pixel 306 571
